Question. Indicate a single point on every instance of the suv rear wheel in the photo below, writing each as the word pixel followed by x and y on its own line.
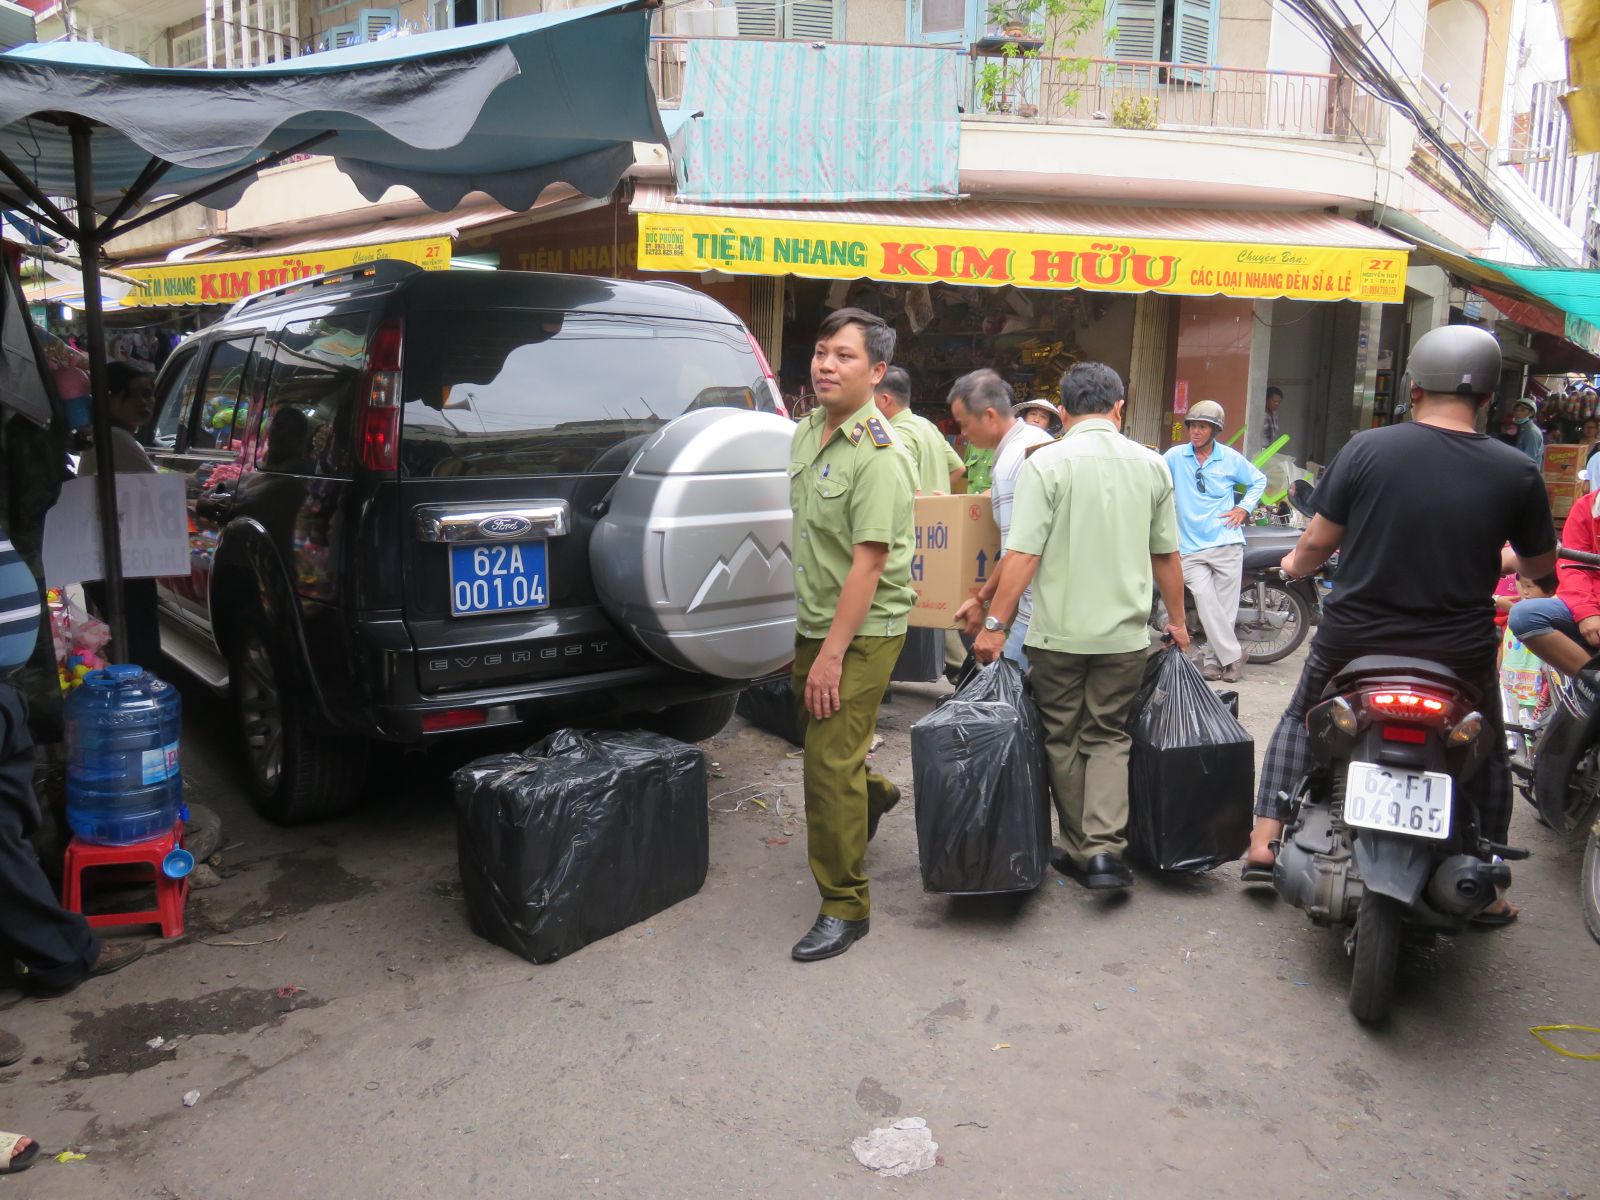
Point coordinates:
pixel 298 772
pixel 692 722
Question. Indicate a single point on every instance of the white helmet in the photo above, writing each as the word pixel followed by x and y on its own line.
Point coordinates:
pixel 1208 411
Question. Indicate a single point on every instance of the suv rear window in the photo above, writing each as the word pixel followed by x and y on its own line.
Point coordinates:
pixel 531 393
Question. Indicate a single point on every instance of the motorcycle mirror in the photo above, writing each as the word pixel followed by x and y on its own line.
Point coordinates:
pixel 1300 492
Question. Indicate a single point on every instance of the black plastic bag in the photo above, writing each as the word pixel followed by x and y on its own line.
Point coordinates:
pixel 1192 775
pixel 578 837
pixel 982 788
pixel 1230 701
pixel 921 658
pixel 770 705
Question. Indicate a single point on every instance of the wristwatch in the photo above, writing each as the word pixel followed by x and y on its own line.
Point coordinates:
pixel 994 625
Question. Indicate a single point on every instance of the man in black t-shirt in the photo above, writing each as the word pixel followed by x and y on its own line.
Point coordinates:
pixel 1419 513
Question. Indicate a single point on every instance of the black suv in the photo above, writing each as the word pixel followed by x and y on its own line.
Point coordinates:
pixel 423 502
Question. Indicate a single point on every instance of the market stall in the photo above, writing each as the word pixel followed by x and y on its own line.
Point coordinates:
pixel 445 113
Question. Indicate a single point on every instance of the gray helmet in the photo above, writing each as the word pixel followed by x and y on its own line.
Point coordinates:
pixel 1208 411
pixel 1461 360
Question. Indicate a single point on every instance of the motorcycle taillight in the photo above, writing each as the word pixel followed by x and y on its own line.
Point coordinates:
pixel 1406 704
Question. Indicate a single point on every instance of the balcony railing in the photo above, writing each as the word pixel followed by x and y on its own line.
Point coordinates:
pixel 1133 94
pixel 1455 125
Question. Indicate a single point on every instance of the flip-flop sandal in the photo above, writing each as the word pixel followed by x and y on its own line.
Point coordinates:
pixel 1251 873
pixel 1489 920
pixel 8 1143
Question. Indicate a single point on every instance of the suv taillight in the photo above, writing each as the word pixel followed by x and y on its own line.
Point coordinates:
pixel 766 373
pixel 378 417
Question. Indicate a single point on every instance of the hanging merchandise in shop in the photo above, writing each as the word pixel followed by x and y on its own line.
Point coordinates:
pixel 988 258
pixel 225 280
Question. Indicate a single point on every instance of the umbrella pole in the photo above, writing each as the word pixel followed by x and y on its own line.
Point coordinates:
pixel 95 329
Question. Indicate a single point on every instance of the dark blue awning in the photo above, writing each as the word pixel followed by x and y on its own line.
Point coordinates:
pixel 505 108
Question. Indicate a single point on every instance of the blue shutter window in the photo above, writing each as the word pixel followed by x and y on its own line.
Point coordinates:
pixel 1139 31
pixel 1194 38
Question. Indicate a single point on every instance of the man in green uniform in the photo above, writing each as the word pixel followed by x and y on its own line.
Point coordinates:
pixel 1095 522
pixel 937 465
pixel 980 464
pixel 850 485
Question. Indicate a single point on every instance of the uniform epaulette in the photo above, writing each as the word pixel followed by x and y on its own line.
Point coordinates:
pixel 880 435
pixel 856 434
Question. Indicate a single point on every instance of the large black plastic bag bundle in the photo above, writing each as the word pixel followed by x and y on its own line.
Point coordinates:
pixel 578 837
pixel 770 705
pixel 982 788
pixel 921 658
pixel 1192 775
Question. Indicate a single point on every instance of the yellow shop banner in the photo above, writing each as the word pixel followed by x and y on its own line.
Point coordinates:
pixel 925 254
pixel 222 281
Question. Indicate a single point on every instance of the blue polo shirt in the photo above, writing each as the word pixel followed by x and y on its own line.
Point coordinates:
pixel 1200 525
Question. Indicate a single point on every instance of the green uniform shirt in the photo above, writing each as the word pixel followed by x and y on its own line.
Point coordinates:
pixel 1094 507
pixel 931 455
pixel 980 466
pixel 855 489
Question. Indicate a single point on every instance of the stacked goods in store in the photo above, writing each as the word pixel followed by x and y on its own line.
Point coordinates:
pixel 1561 466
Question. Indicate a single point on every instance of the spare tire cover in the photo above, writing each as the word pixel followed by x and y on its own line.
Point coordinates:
pixel 692 557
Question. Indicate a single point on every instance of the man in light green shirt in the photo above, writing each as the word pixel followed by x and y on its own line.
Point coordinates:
pixel 1095 522
pixel 937 464
pixel 938 467
pixel 850 485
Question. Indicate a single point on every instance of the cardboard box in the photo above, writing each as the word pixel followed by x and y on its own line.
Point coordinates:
pixel 957 545
pixel 1562 463
pixel 1562 497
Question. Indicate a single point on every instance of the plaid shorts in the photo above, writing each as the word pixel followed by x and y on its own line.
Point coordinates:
pixel 1289 757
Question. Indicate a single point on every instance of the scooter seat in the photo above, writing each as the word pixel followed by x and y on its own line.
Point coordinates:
pixel 1262 558
pixel 1398 670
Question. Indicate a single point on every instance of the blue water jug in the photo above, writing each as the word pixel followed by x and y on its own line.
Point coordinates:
pixel 124 784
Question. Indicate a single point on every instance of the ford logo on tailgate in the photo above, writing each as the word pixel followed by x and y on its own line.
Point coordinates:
pixel 505 525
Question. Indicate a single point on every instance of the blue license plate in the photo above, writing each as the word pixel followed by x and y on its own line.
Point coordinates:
pixel 499 578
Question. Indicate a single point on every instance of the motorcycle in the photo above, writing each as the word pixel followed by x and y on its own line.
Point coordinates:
pixel 1566 767
pixel 1275 615
pixel 1379 842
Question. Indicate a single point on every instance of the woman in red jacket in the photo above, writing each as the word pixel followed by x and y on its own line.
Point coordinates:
pixel 1564 630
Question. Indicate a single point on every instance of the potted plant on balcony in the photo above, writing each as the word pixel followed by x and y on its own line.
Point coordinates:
pixel 1034 48
pixel 1135 112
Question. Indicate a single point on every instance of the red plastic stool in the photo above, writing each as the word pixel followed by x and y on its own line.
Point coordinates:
pixel 171 894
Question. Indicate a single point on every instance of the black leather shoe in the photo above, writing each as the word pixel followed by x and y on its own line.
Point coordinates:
pixel 830 936
pixel 874 817
pixel 1103 872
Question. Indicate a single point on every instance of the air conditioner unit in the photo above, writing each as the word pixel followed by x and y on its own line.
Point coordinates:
pixel 679 21
pixel 708 21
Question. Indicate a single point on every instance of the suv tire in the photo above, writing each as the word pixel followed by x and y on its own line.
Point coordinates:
pixel 693 722
pixel 298 771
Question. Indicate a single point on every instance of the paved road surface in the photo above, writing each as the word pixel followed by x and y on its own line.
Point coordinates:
pixel 1190 1042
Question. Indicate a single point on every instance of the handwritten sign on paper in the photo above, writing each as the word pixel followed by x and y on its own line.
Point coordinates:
pixel 152 516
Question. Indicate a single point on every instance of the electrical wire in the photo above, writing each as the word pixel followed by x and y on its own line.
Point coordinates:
pixel 1375 77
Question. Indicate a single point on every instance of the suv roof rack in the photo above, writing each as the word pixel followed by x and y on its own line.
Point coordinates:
pixel 383 270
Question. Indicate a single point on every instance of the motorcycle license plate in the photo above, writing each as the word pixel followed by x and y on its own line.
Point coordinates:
pixel 1394 800
pixel 505 577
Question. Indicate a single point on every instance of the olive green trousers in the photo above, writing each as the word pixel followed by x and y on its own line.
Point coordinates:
pixel 841 793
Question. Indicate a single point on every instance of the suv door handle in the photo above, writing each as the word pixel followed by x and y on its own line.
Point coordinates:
pixel 461 524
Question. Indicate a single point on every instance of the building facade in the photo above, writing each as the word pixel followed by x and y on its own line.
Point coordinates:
pixel 1283 131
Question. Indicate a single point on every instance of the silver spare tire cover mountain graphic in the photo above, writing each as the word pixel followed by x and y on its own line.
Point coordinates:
pixel 693 556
